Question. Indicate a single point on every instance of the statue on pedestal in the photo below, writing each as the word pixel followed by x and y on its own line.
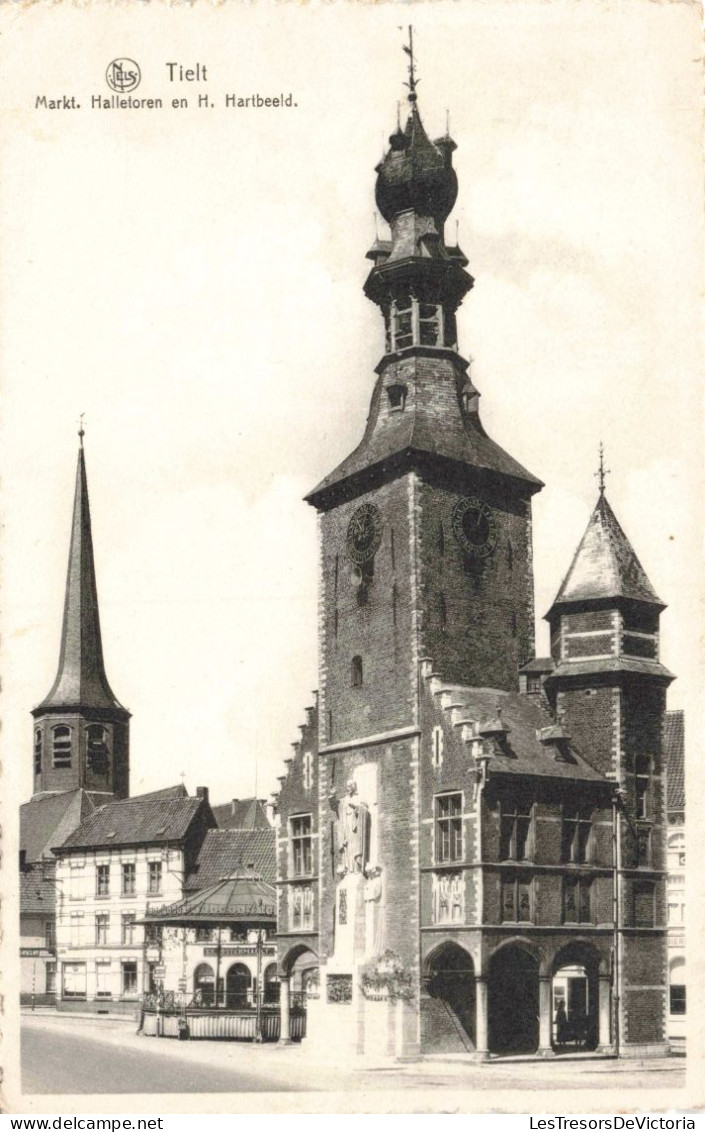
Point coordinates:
pixel 353 832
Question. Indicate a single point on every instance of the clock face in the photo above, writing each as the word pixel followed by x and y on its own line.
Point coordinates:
pixel 474 527
pixel 364 533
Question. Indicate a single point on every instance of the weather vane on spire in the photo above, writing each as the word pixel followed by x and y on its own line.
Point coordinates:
pixel 413 81
pixel 81 430
pixel 602 470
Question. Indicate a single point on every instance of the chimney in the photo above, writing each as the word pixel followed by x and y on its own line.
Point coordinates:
pixel 233 804
pixel 202 792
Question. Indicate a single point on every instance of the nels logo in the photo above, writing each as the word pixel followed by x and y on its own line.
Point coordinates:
pixel 123 75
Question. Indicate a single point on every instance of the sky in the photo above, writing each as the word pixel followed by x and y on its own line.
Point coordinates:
pixel 191 280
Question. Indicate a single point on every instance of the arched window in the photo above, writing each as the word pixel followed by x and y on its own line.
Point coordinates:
pixel 642 772
pixel 356 672
pixel 62 746
pixel 97 748
pixel 38 751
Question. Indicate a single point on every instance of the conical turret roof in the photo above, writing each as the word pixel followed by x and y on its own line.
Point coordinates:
pixel 605 566
pixel 81 681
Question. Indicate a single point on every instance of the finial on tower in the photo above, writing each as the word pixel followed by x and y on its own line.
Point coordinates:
pixel 602 470
pixel 81 430
pixel 413 81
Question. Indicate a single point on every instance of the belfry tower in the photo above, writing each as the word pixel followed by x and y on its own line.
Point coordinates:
pixel 81 731
pixel 426 527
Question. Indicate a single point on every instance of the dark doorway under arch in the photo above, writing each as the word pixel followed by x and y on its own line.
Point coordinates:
pixel 575 998
pixel 450 982
pixel 513 1001
pixel 237 984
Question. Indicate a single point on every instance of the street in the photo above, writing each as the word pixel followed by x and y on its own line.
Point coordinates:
pixel 69 1055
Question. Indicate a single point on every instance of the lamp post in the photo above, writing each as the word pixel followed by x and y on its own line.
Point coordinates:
pixel 258 996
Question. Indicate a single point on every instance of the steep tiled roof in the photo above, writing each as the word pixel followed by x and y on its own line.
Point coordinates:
pixel 154 819
pixel 226 851
pixel 241 813
pixel 47 820
pixel 605 565
pixel 674 746
pixel 37 889
pixel 519 751
pixel 539 664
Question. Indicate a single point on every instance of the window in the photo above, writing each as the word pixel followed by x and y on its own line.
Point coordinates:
pixel 577 903
pixel 429 325
pixel 102 927
pixel 102 880
pixel 644 912
pixel 577 827
pixel 238 935
pixel 449 828
pixel 301 908
pixel 396 394
pixel 128 879
pixel 129 978
pixel 38 751
pixel 642 779
pixel 155 878
pixel 675 915
pixel 49 935
pixel 76 929
pixel 437 748
pixel 516 899
pixel 515 831
pixel 676 994
pixel 97 748
pixel 62 746
pixel 307 770
pixel 102 979
pixel 356 672
pixel 204 935
pixel 301 846
pixel 402 328
pixel 74 980
pixel 642 846
pixel 77 880
pixel 128 928
pixel 533 684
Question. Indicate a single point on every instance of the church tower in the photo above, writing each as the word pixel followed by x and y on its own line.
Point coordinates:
pixel 609 691
pixel 81 731
pixel 426 527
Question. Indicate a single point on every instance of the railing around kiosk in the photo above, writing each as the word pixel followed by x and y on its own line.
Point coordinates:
pixel 235 1016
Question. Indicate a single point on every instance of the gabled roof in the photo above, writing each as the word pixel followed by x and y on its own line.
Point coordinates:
pixel 674 749
pixel 155 819
pixel 227 851
pixel 48 819
pixel 38 889
pixel 605 565
pixel 81 680
pixel 242 813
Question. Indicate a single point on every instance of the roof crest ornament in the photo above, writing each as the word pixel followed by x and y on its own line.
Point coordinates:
pixel 81 430
pixel 413 81
pixel 602 470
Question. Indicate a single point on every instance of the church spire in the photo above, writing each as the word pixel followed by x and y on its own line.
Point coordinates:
pixel 81 681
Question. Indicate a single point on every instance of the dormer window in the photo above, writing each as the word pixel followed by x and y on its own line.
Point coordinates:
pixel 38 751
pixel 61 751
pixel 396 394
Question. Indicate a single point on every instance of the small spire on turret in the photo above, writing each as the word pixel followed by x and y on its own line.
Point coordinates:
pixel 81 430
